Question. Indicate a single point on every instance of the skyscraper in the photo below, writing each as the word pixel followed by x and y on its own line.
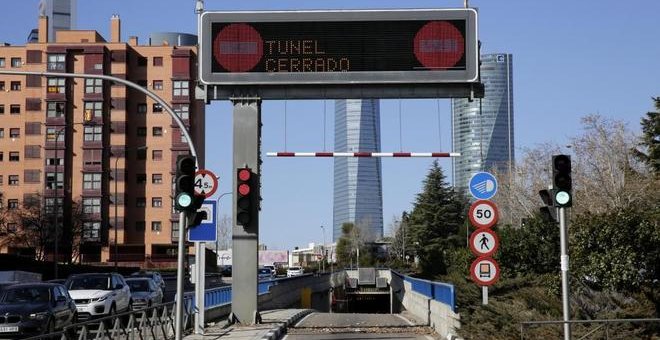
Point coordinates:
pixel 61 15
pixel 358 189
pixel 482 130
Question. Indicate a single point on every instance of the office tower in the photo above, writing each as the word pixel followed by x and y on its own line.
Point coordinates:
pixel 358 189
pixel 99 154
pixel 61 15
pixel 482 130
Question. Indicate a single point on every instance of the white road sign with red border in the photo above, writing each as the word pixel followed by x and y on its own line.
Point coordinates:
pixel 206 183
pixel 485 271
pixel 484 242
pixel 483 214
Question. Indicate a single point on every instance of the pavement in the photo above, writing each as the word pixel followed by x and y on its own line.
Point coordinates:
pixel 273 326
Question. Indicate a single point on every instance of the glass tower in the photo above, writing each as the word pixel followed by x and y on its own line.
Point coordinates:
pixel 482 130
pixel 358 189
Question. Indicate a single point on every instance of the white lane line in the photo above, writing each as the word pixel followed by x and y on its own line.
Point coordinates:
pixel 404 319
pixel 303 319
pixel 426 336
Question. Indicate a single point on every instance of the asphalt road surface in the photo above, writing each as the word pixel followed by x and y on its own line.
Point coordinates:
pixel 326 326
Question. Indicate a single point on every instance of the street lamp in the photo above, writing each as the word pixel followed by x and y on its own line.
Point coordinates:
pixel 116 226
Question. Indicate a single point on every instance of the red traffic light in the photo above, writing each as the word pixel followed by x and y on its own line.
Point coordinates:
pixel 244 189
pixel 244 174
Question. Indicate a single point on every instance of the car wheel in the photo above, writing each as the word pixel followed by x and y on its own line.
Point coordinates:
pixel 113 311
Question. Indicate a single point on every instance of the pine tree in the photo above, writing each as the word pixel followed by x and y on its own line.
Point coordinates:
pixel 437 216
pixel 651 139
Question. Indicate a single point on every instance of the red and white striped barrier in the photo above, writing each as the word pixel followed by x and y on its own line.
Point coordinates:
pixel 363 154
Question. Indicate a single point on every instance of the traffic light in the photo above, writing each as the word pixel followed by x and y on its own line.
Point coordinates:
pixel 196 218
pixel 548 211
pixel 561 181
pixel 184 182
pixel 247 193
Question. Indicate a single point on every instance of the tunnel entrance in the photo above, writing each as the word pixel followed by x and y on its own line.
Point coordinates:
pixel 368 303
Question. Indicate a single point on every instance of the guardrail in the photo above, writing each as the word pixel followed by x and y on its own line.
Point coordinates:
pixel 221 296
pixel 438 291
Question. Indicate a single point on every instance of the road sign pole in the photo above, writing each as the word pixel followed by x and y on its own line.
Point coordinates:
pixel 200 263
pixel 484 295
pixel 563 236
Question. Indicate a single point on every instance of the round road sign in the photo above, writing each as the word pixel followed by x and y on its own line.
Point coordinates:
pixel 483 214
pixel 484 242
pixel 238 47
pixel 205 183
pixel 485 271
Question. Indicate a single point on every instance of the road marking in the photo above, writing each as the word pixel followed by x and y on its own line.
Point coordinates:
pixel 303 319
pixel 404 319
pixel 285 336
pixel 426 336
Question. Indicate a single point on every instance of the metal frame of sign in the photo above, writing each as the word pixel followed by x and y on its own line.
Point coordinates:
pixel 496 213
pixel 492 250
pixel 322 79
pixel 476 279
pixel 215 181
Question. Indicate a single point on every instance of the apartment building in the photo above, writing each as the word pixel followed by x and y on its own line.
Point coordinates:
pixel 92 158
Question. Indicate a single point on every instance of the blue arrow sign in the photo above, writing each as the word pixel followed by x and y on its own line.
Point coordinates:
pixel 205 231
pixel 483 185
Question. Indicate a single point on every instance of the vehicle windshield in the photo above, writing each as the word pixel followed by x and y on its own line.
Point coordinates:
pixel 138 285
pixel 26 295
pixel 89 282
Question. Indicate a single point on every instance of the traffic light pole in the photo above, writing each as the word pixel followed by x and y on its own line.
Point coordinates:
pixel 246 151
pixel 183 222
pixel 563 236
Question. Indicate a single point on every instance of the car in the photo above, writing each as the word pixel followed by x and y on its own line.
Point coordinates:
pixel 144 292
pixel 30 309
pixel 158 279
pixel 272 269
pixel 264 274
pixel 99 294
pixel 294 271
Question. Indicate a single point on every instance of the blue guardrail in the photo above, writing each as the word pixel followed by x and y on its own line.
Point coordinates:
pixel 438 291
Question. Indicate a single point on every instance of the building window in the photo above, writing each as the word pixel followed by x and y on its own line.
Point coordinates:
pixel 157 179
pixel 91 231
pixel 142 108
pixel 14 157
pixel 183 111
pixel 93 110
pixel 92 157
pixel 140 202
pixel 56 85
pixel 2 180
pixel 2 132
pixel 157 108
pixel 14 133
pixel 55 109
pixel 2 156
pixel 2 86
pixel 13 180
pixel 157 131
pixel 92 181
pixel 91 205
pixel 158 84
pixel 175 231
pixel 158 61
pixel 55 161
pixel 180 88
pixel 141 178
pixel 52 183
pixel 156 226
pixel 142 131
pixel 2 62
pixel 50 203
pixel 16 62
pixel 183 138
pixel 2 109
pixel 157 155
pixel 139 225
pixel 93 85
pixel 12 204
pixel 54 133
pixel 15 86
pixel 93 133
pixel 57 62
pixel 157 202
pixel 15 109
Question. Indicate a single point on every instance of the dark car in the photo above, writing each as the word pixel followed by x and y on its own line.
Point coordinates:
pixel 158 279
pixel 144 292
pixel 35 308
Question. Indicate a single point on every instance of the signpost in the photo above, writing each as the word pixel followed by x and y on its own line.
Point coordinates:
pixel 485 271
pixel 483 214
pixel 483 185
pixel 205 183
pixel 484 242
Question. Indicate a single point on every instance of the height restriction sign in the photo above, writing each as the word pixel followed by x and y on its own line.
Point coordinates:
pixel 206 183
pixel 483 214
pixel 484 242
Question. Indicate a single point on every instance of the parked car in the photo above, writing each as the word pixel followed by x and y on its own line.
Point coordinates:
pixel 272 270
pixel 98 295
pixel 158 279
pixel 294 271
pixel 144 292
pixel 264 274
pixel 30 309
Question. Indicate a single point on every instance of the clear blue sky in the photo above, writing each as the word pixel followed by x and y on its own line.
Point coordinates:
pixel 571 58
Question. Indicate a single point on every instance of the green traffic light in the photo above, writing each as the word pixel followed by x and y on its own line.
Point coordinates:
pixel 184 200
pixel 562 197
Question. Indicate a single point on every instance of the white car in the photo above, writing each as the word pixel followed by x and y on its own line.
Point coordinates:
pixel 272 270
pixel 294 271
pixel 98 295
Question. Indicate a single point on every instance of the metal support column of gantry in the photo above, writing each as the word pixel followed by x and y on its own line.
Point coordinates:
pixel 247 149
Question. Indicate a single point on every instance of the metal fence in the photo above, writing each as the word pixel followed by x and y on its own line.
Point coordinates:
pixel 598 329
pixel 438 291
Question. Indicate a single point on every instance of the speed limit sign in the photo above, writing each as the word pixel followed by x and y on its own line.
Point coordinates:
pixel 483 214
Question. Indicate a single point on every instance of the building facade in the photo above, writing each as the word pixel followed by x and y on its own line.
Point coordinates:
pixel 98 155
pixel 482 130
pixel 358 188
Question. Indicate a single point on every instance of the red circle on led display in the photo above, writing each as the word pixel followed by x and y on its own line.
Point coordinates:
pixel 243 189
pixel 244 175
pixel 439 45
pixel 238 47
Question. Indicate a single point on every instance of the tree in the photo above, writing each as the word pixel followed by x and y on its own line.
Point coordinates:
pixel 650 141
pixel 531 248
pixel 435 221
